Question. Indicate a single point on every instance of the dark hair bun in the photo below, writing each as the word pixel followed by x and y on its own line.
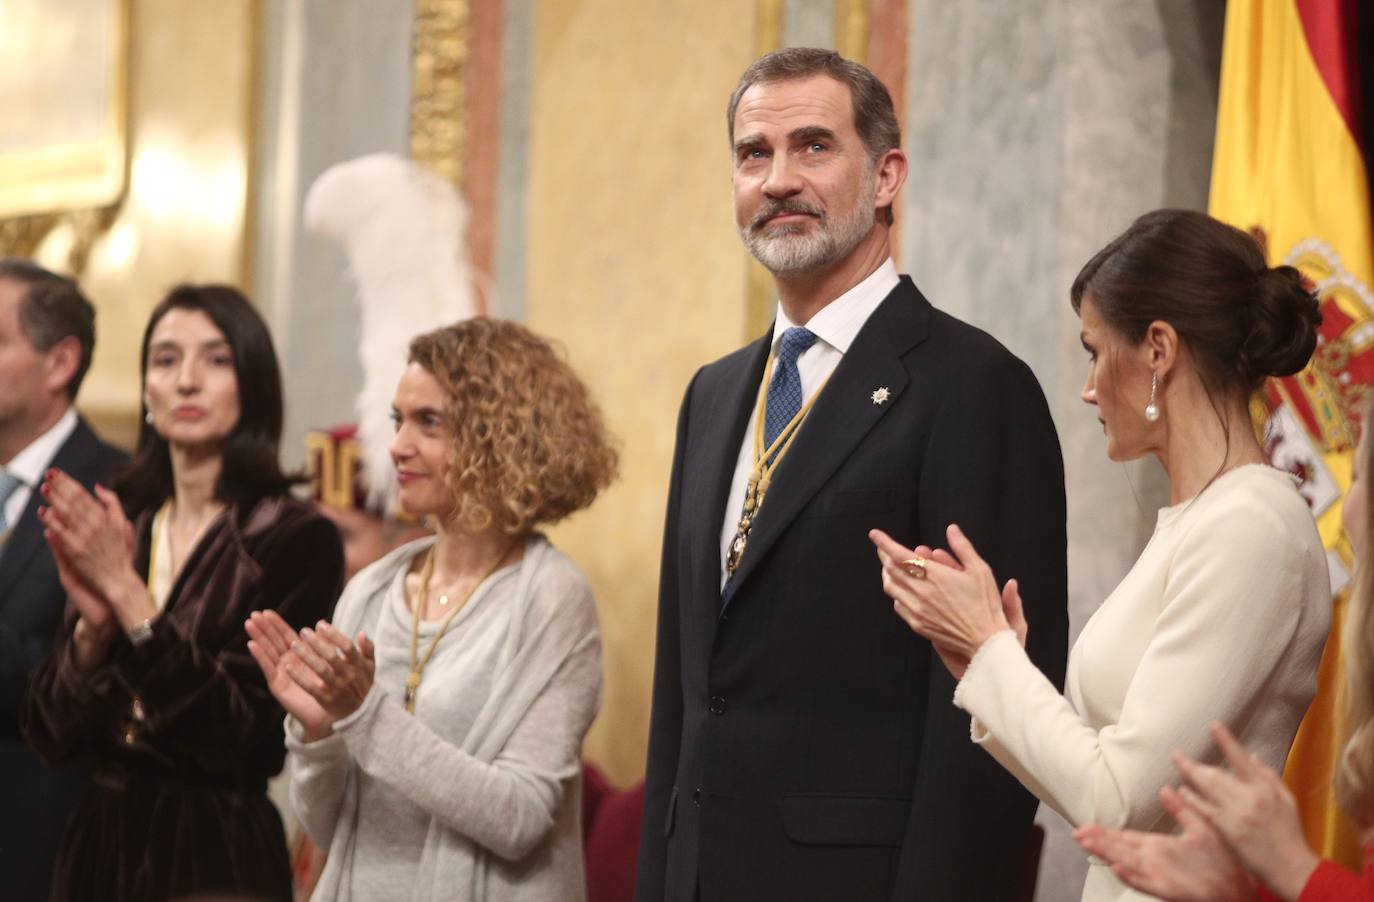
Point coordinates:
pixel 1283 331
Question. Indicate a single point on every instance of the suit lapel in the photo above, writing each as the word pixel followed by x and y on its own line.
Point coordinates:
pixel 843 414
pixel 727 410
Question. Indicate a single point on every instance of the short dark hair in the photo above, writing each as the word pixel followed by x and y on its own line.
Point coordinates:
pixel 875 117
pixel 53 309
pixel 251 470
pixel 1242 319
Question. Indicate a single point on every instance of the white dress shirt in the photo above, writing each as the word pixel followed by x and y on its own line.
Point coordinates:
pixel 835 327
pixel 30 464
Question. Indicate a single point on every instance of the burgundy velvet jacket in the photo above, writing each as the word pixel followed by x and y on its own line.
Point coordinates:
pixel 181 733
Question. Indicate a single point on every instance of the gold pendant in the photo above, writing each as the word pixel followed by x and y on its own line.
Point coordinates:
pixel 412 688
pixel 737 544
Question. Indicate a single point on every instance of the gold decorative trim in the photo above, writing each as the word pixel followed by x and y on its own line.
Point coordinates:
pixel 78 174
pixel 76 231
pixel 439 97
pixel 852 29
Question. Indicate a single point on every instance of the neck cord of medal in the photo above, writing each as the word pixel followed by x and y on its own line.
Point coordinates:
pixel 417 664
pixel 766 461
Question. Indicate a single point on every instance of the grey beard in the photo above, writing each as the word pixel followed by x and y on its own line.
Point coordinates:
pixel 791 250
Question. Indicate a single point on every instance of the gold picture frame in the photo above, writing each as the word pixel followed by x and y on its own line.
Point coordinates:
pixel 64 85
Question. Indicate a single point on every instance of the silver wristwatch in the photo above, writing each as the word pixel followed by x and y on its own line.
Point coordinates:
pixel 140 633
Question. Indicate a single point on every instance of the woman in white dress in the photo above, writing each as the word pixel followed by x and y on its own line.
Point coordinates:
pixel 1224 615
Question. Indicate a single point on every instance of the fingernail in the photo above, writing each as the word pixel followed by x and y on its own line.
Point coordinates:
pixel 307 632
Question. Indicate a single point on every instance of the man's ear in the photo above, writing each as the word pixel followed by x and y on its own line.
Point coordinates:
pixel 889 170
pixel 61 363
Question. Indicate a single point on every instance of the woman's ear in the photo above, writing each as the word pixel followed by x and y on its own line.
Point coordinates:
pixel 1160 347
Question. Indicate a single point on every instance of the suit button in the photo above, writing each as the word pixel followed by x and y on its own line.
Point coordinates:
pixel 696 797
pixel 717 705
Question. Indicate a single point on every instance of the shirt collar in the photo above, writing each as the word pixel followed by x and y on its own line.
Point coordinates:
pixel 838 322
pixel 30 463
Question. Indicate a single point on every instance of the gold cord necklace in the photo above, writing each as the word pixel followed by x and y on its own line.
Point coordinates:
pixel 766 461
pixel 417 664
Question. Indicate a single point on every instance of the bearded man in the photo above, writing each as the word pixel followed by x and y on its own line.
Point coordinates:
pixel 803 744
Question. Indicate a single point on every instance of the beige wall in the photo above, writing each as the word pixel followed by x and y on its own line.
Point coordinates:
pixel 628 141
pixel 183 215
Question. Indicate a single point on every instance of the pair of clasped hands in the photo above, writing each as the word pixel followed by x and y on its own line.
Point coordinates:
pixel 318 675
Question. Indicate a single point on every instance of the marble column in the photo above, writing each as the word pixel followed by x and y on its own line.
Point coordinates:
pixel 335 84
pixel 1037 132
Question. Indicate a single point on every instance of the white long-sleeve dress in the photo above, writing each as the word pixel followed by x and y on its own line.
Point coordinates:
pixel 1223 617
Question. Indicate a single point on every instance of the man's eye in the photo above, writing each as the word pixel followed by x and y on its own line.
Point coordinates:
pixel 816 147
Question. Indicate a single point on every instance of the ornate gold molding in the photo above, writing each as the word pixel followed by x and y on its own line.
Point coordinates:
pixel 439 97
pixel 77 229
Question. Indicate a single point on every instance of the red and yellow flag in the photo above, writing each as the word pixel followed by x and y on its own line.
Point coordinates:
pixel 1289 167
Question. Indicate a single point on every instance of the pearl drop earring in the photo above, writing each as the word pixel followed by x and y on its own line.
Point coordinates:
pixel 1152 409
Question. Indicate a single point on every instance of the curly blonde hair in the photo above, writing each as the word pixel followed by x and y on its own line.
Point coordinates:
pixel 529 444
pixel 1355 765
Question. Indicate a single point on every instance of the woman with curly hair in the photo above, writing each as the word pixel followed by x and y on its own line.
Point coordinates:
pixel 437 752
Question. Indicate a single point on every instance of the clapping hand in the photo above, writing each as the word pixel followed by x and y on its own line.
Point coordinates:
pixel 1191 865
pixel 1253 811
pixel 317 675
pixel 95 538
pixel 956 604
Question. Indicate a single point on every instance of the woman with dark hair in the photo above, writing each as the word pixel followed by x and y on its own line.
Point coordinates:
pixel 150 684
pixel 436 726
pixel 1225 614
pixel 1240 835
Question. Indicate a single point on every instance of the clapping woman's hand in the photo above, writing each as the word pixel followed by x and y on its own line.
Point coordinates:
pixel 956 604
pixel 269 642
pixel 92 529
pixel 1253 811
pixel 337 672
pixel 1191 865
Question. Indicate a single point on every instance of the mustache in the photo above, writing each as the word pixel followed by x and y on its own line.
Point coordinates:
pixel 781 207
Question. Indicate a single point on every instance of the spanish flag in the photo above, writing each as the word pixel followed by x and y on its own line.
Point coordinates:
pixel 1290 167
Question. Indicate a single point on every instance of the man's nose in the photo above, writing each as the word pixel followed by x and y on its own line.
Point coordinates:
pixel 783 179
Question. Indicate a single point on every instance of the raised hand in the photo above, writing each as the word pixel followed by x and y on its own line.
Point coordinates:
pixel 336 672
pixel 92 528
pixel 956 605
pixel 1253 811
pixel 1192 865
pixel 91 605
pixel 269 642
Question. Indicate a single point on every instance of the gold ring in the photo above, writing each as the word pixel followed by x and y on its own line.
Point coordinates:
pixel 915 566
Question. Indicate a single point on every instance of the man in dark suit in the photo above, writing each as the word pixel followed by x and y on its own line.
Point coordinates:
pixel 803 743
pixel 47 333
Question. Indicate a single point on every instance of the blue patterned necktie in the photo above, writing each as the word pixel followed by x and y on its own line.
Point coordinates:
pixel 785 391
pixel 9 483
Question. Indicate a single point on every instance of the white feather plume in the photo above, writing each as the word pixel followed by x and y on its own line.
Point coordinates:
pixel 404 229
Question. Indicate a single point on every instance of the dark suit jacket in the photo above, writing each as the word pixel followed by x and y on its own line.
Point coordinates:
pixel 36 798
pixel 803 743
